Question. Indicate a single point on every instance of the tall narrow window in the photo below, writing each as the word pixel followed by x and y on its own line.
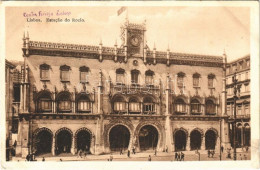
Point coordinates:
pixel 134 106
pixel 64 102
pixel 180 106
pixel 119 105
pixel 195 107
pixel 64 73
pixel 120 76
pixel 148 106
pixel 211 78
pixel 84 104
pixel 84 74
pixel 44 102
pixel 180 79
pixel 44 72
pixel 196 80
pixel 210 107
pixel 135 76
pixel 149 77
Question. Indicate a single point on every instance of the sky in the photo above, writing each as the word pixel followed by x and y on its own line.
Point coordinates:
pixel 198 30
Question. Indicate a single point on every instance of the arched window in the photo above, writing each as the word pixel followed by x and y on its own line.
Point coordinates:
pixel 195 107
pixel 135 76
pixel 148 105
pixel 196 80
pixel 210 107
pixel 120 76
pixel 44 72
pixel 180 106
pixel 84 104
pixel 64 73
pixel 84 74
pixel 64 102
pixel 134 106
pixel 44 102
pixel 149 77
pixel 211 78
pixel 180 79
pixel 119 105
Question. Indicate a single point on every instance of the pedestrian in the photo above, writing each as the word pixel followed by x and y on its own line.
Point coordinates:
pixel 166 149
pixel 155 152
pixel 176 156
pixel 208 153
pixel 43 159
pixel 60 159
pixel 28 157
pixel 245 157
pixel 111 157
pixel 240 157
pixel 149 158
pixel 212 153
pixel 222 149
pixel 128 153
pixel 121 151
pixel 134 149
pixel 182 156
pixel 247 148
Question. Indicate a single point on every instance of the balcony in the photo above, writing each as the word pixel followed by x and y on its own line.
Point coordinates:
pixel 134 89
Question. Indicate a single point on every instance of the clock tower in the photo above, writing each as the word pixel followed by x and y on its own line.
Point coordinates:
pixel 133 38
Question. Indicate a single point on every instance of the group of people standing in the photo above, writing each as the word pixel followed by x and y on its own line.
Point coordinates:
pixel 211 153
pixel 179 156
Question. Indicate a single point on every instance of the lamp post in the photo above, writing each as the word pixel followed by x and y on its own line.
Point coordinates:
pixel 236 89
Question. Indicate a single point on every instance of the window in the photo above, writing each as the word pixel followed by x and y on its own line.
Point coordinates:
pixel 44 72
pixel 120 76
pixel 180 79
pixel 248 63
pixel 239 110
pixel 247 88
pixel 196 78
pixel 149 77
pixel 180 106
pixel 44 102
pixel 84 104
pixel 134 76
pixel 65 73
pixel 134 105
pixel 211 80
pixel 246 76
pixel 195 107
pixel 149 107
pixel 210 107
pixel 247 109
pixel 119 105
pixel 64 102
pixel 84 74
pixel 228 110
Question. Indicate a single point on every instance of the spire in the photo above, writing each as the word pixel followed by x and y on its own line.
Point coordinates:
pixel 27 35
pixel 168 49
pixel 100 43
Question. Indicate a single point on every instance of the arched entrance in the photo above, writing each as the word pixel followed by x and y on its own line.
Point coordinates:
pixel 238 135
pixel 83 140
pixel 43 142
pixel 64 138
pixel 247 135
pixel 148 137
pixel 195 140
pixel 119 138
pixel 210 139
pixel 180 139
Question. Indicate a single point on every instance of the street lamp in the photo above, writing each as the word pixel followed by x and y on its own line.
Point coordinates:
pixel 236 89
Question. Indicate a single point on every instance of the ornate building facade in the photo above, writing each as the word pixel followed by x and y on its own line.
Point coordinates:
pixel 103 99
pixel 241 67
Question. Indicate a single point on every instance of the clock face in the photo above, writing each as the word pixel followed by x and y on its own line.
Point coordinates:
pixel 135 41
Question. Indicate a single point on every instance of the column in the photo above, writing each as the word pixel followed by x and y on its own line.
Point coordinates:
pixel 72 149
pixel 53 145
pixel 74 106
pixel 142 107
pixel 21 98
pixel 242 135
pixel 168 129
pixel 188 143
pixel 203 143
pixel 24 99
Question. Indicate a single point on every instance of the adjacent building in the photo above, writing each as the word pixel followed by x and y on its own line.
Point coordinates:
pixel 240 67
pixel 106 99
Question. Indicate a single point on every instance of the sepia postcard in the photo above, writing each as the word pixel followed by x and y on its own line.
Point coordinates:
pixel 143 85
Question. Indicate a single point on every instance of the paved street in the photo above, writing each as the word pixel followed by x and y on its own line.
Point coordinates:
pixel 161 156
